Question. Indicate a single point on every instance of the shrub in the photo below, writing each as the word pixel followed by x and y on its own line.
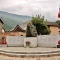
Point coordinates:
pixel 31 30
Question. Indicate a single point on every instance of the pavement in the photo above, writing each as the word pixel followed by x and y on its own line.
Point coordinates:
pixel 22 49
pixel 5 53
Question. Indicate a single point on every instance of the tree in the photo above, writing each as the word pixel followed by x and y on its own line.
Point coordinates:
pixel 40 25
pixel 31 30
pixel 58 22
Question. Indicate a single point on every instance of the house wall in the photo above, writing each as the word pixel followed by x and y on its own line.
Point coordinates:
pixel 12 34
pixel 0 27
pixel 54 30
pixel 5 34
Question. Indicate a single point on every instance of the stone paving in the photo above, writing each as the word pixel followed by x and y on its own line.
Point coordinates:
pixel 21 49
pixel 29 58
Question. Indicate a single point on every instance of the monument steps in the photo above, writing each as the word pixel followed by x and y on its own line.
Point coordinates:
pixel 32 54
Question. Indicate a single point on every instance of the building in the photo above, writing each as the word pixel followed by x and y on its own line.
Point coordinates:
pixel 52 26
pixel 18 28
pixel 1 26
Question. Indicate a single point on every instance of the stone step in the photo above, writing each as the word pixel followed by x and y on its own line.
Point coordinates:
pixel 31 54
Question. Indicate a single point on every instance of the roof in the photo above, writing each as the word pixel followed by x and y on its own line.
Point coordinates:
pixel 1 21
pixel 51 24
pixel 18 26
pixel 24 25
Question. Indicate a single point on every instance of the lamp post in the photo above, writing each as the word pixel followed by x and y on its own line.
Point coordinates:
pixel 59 17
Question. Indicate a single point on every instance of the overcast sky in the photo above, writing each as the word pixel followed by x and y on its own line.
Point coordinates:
pixel 48 8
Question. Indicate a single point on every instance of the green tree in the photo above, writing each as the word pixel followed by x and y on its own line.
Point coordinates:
pixel 40 25
pixel 31 30
pixel 58 22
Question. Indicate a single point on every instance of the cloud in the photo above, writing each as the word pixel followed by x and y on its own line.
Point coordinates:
pixel 48 8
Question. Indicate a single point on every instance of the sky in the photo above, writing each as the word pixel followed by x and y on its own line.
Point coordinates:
pixel 48 8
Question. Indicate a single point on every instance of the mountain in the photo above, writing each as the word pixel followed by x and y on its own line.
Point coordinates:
pixel 11 20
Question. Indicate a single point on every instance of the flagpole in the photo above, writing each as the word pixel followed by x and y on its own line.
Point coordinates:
pixel 59 12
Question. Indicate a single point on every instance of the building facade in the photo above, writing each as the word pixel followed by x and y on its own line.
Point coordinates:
pixel 51 25
pixel 54 27
pixel 1 25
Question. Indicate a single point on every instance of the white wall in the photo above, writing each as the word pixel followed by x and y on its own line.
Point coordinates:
pixel 3 31
pixel 32 40
pixel 48 40
pixel 40 41
pixel 15 41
